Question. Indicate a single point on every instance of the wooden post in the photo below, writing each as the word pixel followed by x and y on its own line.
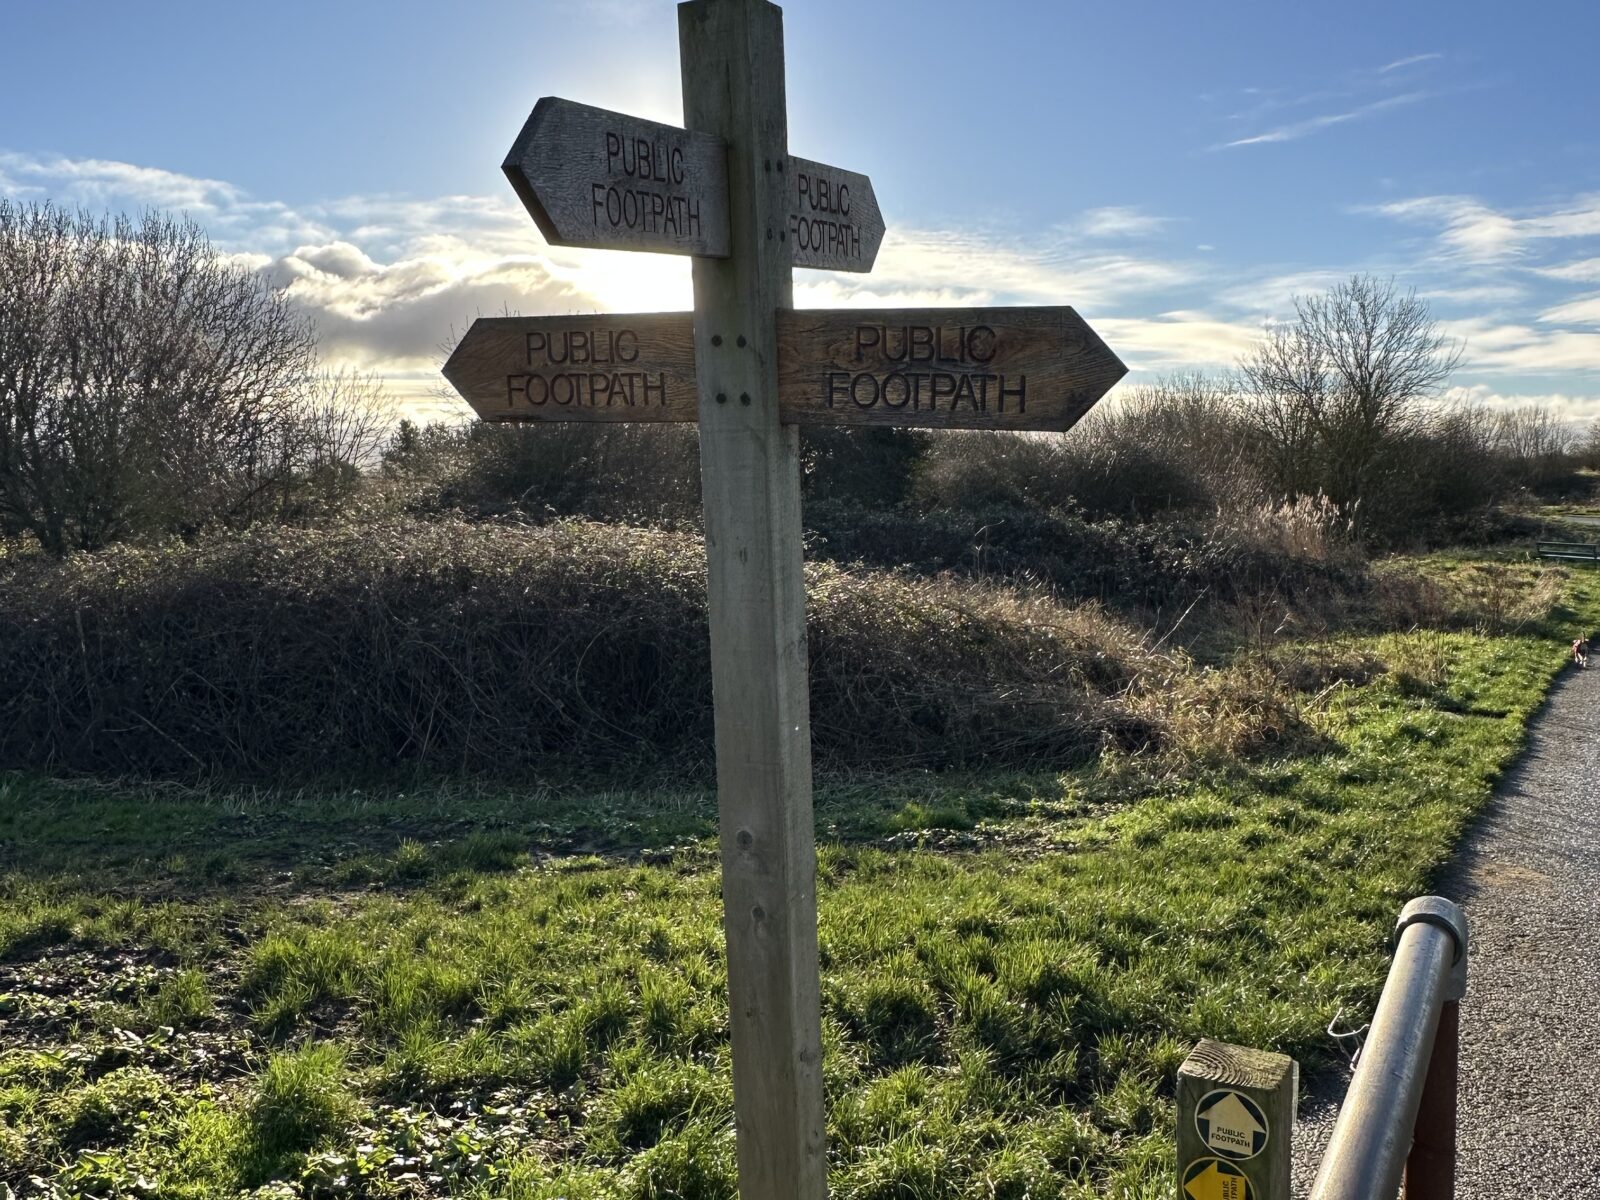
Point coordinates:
pixel 732 64
pixel 1235 1123
pixel 1431 1165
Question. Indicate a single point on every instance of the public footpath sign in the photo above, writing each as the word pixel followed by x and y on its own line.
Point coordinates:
pixel 1232 1124
pixel 941 368
pixel 833 219
pixel 604 368
pixel 590 177
pixel 934 368
pixel 750 369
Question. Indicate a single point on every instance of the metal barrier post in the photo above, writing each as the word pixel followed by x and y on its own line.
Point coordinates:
pixel 1431 1168
pixel 1379 1121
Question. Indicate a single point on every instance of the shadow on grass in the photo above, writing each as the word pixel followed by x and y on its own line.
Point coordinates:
pixel 156 840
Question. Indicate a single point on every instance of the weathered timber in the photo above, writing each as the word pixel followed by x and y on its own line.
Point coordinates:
pixel 834 222
pixel 590 177
pixel 1235 1123
pixel 637 367
pixel 733 87
pixel 942 368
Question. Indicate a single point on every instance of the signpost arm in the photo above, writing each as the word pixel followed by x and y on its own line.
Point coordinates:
pixel 732 62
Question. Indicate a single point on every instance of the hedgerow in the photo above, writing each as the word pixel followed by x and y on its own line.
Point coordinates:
pixel 492 648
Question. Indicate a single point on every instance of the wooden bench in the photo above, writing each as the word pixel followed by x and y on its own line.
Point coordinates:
pixel 1571 551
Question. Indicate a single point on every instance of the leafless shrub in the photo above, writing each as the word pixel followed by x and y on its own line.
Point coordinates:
pixel 149 386
pixel 486 648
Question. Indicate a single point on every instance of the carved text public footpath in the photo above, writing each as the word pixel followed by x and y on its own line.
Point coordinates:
pixel 632 204
pixel 951 368
pixel 924 367
pixel 834 220
pixel 599 368
pixel 553 378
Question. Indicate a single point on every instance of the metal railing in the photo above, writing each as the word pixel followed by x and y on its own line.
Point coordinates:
pixel 1571 551
pixel 1399 1115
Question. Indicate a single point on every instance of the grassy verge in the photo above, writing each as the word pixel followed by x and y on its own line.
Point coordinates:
pixel 490 993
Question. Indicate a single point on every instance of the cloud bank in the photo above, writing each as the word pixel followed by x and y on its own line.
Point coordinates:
pixel 392 281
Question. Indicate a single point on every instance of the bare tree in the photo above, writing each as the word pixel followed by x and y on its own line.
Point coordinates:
pixel 1533 438
pixel 1588 448
pixel 148 385
pixel 1339 394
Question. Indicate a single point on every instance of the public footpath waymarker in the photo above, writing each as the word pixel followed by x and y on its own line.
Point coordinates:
pixel 933 368
pixel 1213 1179
pixel 590 177
pixel 725 190
pixel 1231 1124
pixel 1235 1123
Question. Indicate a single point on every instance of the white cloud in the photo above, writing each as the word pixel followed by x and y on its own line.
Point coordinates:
pixel 1493 348
pixel 1474 232
pixel 1567 407
pixel 1410 61
pixel 1300 129
pixel 1481 293
pixel 1120 222
pixel 1178 340
pixel 1585 270
pixel 1583 311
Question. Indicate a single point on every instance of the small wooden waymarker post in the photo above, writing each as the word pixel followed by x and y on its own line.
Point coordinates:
pixel 750 369
pixel 1235 1123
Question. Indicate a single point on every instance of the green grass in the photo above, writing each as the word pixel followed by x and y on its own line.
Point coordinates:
pixel 483 992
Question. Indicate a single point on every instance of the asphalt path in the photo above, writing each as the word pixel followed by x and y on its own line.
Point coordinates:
pixel 1528 876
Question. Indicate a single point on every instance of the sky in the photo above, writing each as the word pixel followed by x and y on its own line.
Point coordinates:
pixel 1177 172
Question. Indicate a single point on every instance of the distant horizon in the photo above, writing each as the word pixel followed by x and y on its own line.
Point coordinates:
pixel 1177 181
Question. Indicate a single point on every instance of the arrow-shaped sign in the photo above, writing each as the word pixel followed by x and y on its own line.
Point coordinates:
pixel 1213 1179
pixel 1231 1124
pixel 604 368
pixel 934 368
pixel 590 177
pixel 941 368
pixel 834 222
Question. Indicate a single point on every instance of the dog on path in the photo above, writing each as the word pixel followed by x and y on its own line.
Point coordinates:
pixel 1580 652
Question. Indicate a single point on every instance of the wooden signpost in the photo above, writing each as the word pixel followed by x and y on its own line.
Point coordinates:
pixel 605 368
pixel 931 368
pixel 590 177
pixel 750 370
pixel 833 219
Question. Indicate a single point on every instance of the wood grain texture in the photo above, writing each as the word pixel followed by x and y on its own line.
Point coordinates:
pixel 636 367
pixel 834 222
pixel 1270 1081
pixel 732 65
pixel 937 368
pixel 590 177
pixel 942 368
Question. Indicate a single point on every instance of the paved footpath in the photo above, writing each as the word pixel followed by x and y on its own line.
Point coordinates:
pixel 1528 876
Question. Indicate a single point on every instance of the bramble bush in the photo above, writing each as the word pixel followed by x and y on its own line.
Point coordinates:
pixel 487 647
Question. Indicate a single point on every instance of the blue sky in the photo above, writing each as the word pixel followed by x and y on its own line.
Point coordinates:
pixel 1178 172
